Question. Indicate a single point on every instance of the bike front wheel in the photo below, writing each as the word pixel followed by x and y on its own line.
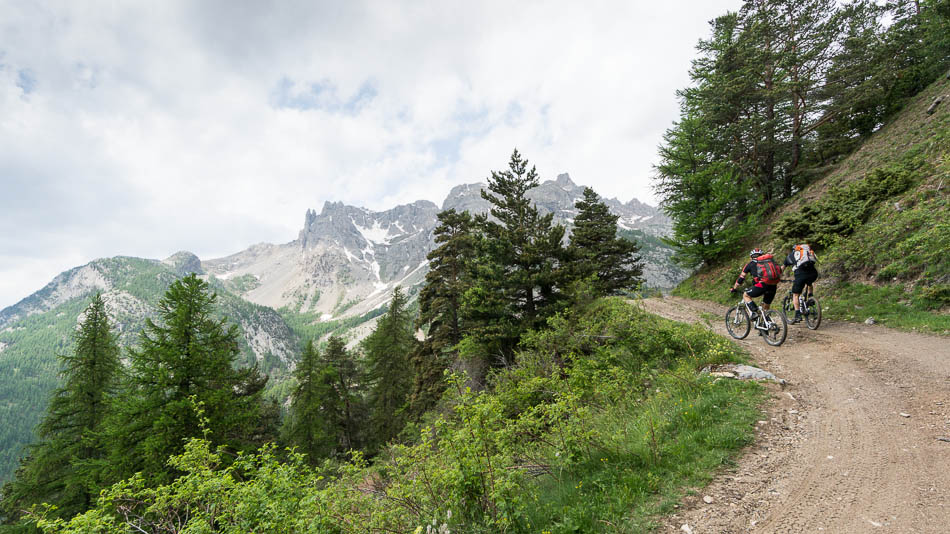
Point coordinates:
pixel 778 329
pixel 737 322
pixel 787 306
pixel 813 317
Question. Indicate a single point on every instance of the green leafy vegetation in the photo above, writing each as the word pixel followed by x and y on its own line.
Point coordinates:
pixel 31 345
pixel 64 466
pixel 889 305
pixel 603 423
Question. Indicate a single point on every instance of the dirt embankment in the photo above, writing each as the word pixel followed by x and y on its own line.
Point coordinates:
pixel 857 441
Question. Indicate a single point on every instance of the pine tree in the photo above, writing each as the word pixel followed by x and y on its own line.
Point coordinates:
pixel 64 467
pixel 595 248
pixel 518 265
pixel 387 352
pixel 315 417
pixel 183 362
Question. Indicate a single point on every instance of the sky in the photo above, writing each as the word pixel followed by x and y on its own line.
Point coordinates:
pixel 145 128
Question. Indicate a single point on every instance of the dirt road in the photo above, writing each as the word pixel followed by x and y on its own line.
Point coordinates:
pixel 854 442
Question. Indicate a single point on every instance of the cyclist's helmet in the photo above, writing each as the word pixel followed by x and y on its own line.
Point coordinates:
pixel 755 253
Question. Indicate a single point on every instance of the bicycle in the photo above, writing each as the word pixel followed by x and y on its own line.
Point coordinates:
pixel 772 326
pixel 808 305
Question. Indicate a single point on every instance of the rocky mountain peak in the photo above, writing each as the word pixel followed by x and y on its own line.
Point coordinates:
pixel 184 263
pixel 564 180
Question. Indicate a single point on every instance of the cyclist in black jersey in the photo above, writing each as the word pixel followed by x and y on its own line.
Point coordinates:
pixel 759 288
pixel 804 260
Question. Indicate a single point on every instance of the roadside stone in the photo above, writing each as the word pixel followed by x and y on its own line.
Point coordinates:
pixel 741 372
pixel 870 321
pixel 905 414
pixel 708 500
pixel 686 529
pixel 943 439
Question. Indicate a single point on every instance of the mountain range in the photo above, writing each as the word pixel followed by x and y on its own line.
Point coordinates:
pixel 335 277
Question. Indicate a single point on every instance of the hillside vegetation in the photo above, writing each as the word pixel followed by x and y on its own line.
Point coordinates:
pixel 601 425
pixel 39 329
pixel 818 121
pixel 880 221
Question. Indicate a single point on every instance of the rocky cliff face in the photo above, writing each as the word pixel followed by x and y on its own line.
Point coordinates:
pixel 344 262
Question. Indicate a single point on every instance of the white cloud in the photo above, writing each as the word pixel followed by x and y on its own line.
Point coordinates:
pixel 145 128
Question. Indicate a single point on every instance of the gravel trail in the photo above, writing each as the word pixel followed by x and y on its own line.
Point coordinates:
pixel 852 444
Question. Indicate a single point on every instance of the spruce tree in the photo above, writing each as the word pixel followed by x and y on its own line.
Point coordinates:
pixel 700 193
pixel 595 249
pixel 64 467
pixel 387 352
pixel 184 361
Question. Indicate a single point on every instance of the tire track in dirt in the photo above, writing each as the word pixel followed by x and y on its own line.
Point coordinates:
pixel 834 453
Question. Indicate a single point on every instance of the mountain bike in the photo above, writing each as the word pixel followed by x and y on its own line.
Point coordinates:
pixel 771 325
pixel 808 305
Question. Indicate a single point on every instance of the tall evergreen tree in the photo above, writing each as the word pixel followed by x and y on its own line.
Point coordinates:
pixel 186 358
pixel 440 301
pixel 348 383
pixel 518 265
pixel 387 352
pixel 315 417
pixel 595 248
pixel 64 467
pixel 700 193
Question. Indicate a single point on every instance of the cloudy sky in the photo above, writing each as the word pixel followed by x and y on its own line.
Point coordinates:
pixel 143 128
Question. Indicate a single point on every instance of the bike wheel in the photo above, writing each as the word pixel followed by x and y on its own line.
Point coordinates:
pixel 737 322
pixel 776 333
pixel 813 317
pixel 787 306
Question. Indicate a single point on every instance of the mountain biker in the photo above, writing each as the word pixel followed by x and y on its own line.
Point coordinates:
pixel 765 281
pixel 803 258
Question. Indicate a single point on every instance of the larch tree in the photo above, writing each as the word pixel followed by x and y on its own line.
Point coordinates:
pixel 64 467
pixel 184 364
pixel 387 352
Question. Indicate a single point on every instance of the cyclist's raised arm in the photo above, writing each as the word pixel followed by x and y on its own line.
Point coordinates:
pixel 790 259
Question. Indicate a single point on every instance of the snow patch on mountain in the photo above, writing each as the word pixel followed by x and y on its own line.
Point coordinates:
pixel 375 234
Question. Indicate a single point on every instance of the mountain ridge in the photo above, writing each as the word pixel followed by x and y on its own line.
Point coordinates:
pixel 346 259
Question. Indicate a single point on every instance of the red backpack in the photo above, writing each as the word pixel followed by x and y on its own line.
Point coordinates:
pixel 767 271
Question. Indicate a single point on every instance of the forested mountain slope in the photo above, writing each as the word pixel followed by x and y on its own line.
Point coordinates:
pixel 39 328
pixel 880 221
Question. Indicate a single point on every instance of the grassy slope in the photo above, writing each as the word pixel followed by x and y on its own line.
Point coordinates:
pixel 894 266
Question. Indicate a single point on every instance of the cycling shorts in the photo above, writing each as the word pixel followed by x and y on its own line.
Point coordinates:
pixel 765 291
pixel 803 279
